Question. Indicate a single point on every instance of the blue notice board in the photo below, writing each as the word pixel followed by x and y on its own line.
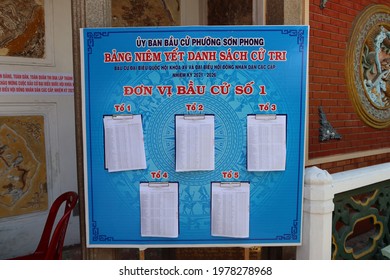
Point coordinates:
pixel 234 75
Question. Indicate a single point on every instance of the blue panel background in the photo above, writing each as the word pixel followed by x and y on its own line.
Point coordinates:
pixel 275 197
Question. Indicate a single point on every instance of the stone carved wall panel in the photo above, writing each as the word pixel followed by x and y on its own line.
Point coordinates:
pixel 23 183
pixel 22 28
pixel 368 66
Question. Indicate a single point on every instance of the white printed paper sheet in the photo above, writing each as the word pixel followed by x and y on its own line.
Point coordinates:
pixel 266 141
pixel 230 209
pixel 159 209
pixel 124 143
pixel 194 143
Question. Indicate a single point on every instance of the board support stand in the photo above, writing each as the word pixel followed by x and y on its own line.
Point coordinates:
pixel 142 254
pixel 247 253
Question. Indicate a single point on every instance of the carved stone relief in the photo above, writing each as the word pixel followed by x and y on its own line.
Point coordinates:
pixel 145 13
pixel 23 184
pixel 22 28
pixel 368 66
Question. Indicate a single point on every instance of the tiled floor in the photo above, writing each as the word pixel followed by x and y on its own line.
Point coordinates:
pixel 72 253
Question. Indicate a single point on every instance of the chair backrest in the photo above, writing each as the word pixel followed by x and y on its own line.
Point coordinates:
pixel 52 242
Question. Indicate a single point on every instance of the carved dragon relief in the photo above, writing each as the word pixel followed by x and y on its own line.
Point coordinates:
pixel 376 69
pixel 368 66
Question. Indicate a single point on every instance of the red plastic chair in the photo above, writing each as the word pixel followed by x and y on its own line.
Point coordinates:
pixel 51 248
